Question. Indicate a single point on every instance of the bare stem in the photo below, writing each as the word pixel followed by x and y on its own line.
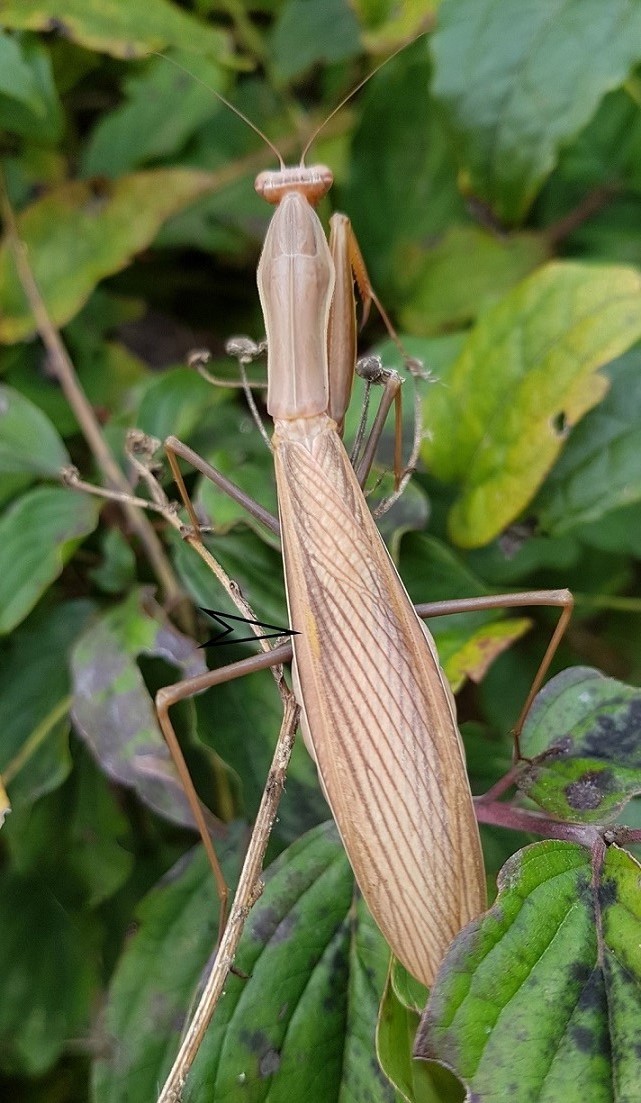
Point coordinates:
pixel 521 819
pixel 589 206
pixel 248 891
pixel 497 790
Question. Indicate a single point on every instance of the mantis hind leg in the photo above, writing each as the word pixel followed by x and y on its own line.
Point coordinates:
pixel 561 599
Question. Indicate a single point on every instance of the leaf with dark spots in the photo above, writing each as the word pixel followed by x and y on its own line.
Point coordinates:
pixel 269 1063
pixel 261 924
pixel 112 708
pixel 153 986
pixel 302 1027
pixel 583 1039
pixel 589 790
pixel 255 1041
pixel 607 893
pixel 583 739
pixel 580 973
pixel 566 978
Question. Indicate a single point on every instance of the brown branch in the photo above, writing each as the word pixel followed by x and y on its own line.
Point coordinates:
pixel 590 205
pixel 247 893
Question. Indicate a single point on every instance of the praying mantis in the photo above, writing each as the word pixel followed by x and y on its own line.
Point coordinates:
pixel 376 712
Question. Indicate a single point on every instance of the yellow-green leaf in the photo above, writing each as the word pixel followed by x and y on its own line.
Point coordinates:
pixel 81 232
pixel 525 376
pixel 476 655
pixel 124 28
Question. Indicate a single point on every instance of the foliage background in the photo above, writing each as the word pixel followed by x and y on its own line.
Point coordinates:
pixel 507 139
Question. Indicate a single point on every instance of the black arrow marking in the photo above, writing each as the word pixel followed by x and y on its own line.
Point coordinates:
pixel 222 618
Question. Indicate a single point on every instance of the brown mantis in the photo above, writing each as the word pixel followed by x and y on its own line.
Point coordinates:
pixel 377 714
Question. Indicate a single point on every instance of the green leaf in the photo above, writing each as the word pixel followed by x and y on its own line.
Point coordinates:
pixel 618 531
pixel 83 231
pixel 309 34
pixel 39 533
pixel 388 23
pixel 118 567
pixel 402 183
pixel 602 165
pixel 397 1025
pixel 607 150
pixel 83 860
pixel 41 119
pixel 515 99
pixel 582 733
pixel 156 978
pixel 28 440
pixel 526 374
pixel 16 78
pixel 106 370
pixel 163 106
pixel 113 710
pixel 301 1023
pixel 175 402
pixel 241 718
pixel 612 234
pixel 240 454
pixel 124 30
pixel 449 292
pixel 540 998
pixel 48 976
pixel 317 968
pixel 253 564
pixel 35 701
pixel 599 470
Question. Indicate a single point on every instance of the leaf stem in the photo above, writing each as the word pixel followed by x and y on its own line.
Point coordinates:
pixel 520 819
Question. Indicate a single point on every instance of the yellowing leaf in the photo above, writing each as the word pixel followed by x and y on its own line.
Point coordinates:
pixel 81 232
pixel 525 376
pixel 477 654
pixel 124 28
